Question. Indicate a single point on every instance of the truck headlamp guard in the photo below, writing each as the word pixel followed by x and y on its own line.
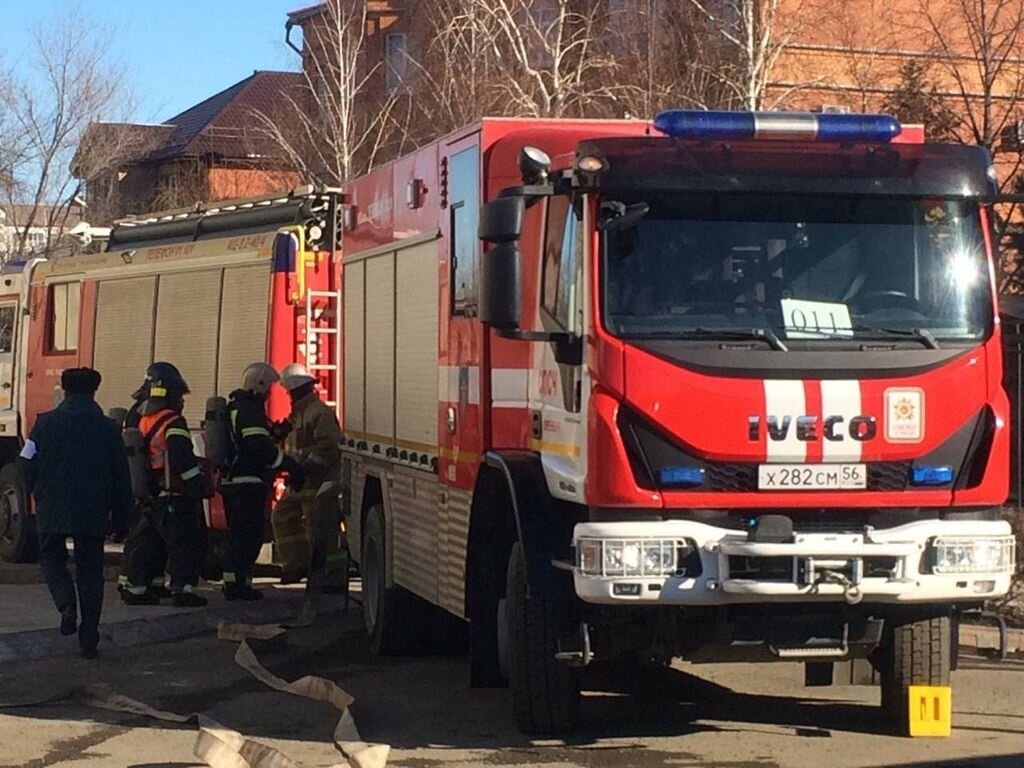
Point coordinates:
pixel 779 126
pixel 974 555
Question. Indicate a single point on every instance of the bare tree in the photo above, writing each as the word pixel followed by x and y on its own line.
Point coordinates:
pixel 656 45
pixel 65 83
pixel 978 46
pixel 340 124
pixel 757 32
pixel 547 52
pixel 455 73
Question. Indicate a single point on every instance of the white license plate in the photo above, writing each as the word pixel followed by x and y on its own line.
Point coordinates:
pixel 811 477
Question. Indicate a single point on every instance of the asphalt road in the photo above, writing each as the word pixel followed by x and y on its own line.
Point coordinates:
pixel 717 716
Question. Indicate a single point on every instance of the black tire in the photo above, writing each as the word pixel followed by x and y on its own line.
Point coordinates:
pixel 17 526
pixel 388 630
pixel 915 650
pixel 545 691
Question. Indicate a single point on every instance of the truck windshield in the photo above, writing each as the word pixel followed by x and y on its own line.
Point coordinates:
pixel 817 268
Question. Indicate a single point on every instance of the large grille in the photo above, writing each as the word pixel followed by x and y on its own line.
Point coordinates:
pixel 882 476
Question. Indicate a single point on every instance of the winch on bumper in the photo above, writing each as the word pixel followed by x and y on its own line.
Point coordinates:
pixel 690 563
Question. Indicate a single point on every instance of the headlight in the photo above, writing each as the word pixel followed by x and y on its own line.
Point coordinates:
pixel 642 557
pixel 964 555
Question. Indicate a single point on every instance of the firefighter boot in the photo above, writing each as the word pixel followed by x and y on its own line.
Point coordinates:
pixel 139 596
pixel 186 598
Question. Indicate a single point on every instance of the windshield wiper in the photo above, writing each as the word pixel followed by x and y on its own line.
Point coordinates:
pixel 920 334
pixel 766 335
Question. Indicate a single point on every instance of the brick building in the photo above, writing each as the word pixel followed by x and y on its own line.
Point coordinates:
pixel 212 151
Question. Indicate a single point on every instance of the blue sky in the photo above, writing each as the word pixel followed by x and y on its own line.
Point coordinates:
pixel 175 52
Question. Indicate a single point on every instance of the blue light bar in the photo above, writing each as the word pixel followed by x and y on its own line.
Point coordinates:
pixel 932 476
pixel 792 126
pixel 687 477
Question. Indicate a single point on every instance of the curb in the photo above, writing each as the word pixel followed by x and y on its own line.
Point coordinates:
pixel 984 639
pixel 41 643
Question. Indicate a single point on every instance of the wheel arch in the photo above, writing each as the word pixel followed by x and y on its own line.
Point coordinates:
pixel 511 503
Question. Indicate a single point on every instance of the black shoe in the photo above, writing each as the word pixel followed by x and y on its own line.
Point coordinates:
pixel 89 653
pixel 188 600
pixel 146 598
pixel 248 594
pixel 334 589
pixel 292 577
pixel 162 593
pixel 69 620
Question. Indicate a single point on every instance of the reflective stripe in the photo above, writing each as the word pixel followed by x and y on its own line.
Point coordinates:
pixel 137 590
pixel 122 580
pixel 290 539
pixel 179 433
pixel 189 474
pixel 157 392
pixel 243 480
pixel 333 557
pixel 187 588
pixel 255 432
pixel 279 460
pixel 229 578
pixel 157 582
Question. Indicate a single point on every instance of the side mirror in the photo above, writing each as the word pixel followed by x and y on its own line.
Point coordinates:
pixel 500 287
pixel 501 220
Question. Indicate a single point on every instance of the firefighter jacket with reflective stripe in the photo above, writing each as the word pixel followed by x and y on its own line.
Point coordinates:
pixel 172 462
pixel 315 441
pixel 257 457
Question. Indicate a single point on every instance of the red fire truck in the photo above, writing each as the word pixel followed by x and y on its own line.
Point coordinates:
pixel 724 386
pixel 211 289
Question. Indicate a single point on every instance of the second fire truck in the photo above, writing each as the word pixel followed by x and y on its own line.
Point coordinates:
pixel 724 387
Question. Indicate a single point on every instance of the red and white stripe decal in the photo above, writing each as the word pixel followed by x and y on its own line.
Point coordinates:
pixel 841 398
pixel 795 398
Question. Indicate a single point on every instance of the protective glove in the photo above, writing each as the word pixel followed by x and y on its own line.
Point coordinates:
pixel 280 430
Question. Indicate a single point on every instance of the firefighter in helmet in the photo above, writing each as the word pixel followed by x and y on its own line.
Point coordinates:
pixel 247 481
pixel 171 523
pixel 157 585
pixel 306 519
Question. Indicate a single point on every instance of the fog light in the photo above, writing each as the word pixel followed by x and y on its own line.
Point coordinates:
pixel 964 555
pixel 983 587
pixel 626 590
pixel 931 476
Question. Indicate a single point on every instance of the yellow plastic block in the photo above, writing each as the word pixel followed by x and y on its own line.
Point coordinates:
pixel 931 710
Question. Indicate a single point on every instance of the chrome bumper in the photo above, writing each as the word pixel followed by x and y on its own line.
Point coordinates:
pixel 823 567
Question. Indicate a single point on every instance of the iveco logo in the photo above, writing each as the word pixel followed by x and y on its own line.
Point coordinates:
pixel 811 428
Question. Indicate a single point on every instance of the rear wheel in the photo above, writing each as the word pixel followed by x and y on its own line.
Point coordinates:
pixel 387 624
pixel 545 691
pixel 17 526
pixel 916 650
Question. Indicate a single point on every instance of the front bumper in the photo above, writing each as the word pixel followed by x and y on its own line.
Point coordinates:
pixel 719 566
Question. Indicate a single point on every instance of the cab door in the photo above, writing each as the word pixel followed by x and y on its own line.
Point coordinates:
pixel 557 389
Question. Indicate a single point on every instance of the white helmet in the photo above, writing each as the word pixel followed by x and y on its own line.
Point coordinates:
pixel 258 378
pixel 295 375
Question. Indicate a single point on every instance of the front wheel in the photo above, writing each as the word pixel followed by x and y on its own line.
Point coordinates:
pixel 915 650
pixel 17 527
pixel 545 691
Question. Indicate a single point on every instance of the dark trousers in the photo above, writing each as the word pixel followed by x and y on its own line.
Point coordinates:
pixel 53 559
pixel 170 530
pixel 245 506
pixel 138 532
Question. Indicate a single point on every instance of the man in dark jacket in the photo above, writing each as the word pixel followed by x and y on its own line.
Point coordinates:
pixel 75 465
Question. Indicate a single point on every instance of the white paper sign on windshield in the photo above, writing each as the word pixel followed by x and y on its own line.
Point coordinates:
pixel 812 319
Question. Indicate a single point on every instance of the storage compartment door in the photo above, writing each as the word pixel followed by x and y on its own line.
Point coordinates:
pixel 187 314
pixel 123 342
pixel 243 323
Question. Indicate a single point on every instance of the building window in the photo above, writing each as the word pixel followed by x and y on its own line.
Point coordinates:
pixel 463 173
pixel 545 15
pixel 558 297
pixel 64 299
pixel 396 53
